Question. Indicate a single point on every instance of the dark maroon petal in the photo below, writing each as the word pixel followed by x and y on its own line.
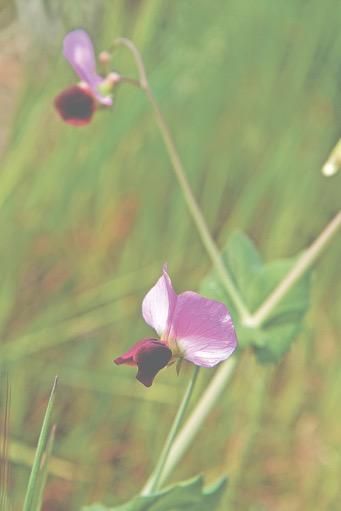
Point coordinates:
pixel 129 357
pixel 75 105
pixel 150 356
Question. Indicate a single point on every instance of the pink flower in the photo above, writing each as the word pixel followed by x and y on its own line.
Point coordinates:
pixel 190 326
pixel 77 104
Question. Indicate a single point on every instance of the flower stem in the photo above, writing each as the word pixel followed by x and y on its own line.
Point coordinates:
pixel 191 202
pixel 157 477
pixel 176 446
pixel 199 414
pixel 224 372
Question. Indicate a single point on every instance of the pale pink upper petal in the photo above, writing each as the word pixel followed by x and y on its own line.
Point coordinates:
pixel 79 51
pixel 203 329
pixel 158 305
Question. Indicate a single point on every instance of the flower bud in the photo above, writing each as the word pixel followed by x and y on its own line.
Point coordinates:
pixel 104 57
pixel 333 164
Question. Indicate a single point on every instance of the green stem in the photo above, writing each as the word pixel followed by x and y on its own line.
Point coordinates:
pixel 223 374
pixel 182 441
pixel 157 477
pixel 191 202
pixel 202 409
pixel 300 267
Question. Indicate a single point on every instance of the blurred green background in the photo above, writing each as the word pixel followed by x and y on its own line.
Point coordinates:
pixel 88 216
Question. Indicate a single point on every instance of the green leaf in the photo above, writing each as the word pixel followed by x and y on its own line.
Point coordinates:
pixel 38 473
pixel 186 496
pixel 255 280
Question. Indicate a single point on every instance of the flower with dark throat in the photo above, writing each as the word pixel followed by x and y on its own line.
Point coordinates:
pixel 190 327
pixel 76 104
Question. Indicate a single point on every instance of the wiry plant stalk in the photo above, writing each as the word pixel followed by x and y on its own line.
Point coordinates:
pixel 223 374
pixel 225 371
pixel 299 268
pixel 193 207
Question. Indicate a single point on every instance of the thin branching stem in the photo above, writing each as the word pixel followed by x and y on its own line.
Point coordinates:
pixel 179 445
pixel 300 267
pixel 224 372
pixel 185 187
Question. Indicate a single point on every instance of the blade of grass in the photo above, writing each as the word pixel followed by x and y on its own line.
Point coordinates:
pixel 33 487
pixel 38 501
pixel 4 502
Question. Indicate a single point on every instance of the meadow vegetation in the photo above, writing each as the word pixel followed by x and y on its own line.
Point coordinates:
pixel 252 94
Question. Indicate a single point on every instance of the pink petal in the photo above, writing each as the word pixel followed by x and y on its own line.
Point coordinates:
pixel 150 356
pixel 203 329
pixel 159 304
pixel 79 51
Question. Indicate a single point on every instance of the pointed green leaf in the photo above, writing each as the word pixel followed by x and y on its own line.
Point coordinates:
pixel 44 470
pixel 34 488
pixel 187 496
pixel 242 258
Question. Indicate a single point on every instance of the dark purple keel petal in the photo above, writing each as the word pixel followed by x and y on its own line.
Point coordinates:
pixel 75 105
pixel 150 356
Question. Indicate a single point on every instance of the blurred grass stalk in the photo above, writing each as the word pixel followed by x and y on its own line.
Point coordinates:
pixel 68 330
pixel 20 453
pixel 5 396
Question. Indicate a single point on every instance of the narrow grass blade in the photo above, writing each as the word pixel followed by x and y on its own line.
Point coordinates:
pixel 4 469
pixel 34 487
pixel 38 501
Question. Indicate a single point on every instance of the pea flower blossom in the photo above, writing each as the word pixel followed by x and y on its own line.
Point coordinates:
pixel 76 104
pixel 190 327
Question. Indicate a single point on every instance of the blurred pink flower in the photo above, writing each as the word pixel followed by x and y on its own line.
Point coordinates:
pixel 190 326
pixel 77 104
